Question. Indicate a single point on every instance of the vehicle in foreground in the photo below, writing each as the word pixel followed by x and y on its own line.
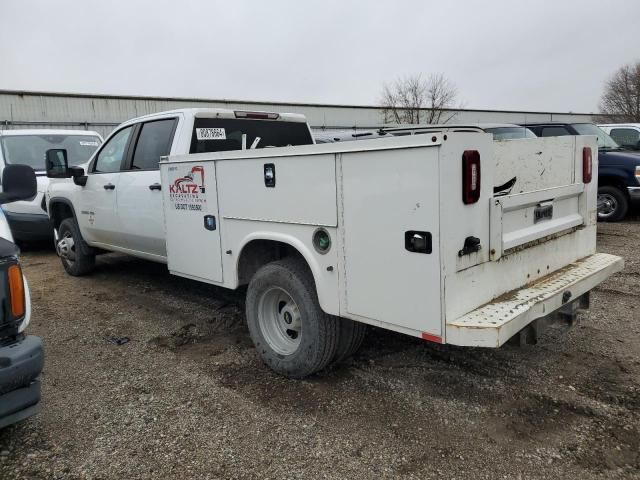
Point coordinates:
pixel 21 356
pixel 28 219
pixel 627 135
pixel 406 233
pixel 618 170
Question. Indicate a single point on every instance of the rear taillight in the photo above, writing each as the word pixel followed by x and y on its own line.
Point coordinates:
pixel 16 291
pixel 638 174
pixel 587 165
pixel 470 176
pixel 257 115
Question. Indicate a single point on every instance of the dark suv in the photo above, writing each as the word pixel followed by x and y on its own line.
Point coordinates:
pixel 618 170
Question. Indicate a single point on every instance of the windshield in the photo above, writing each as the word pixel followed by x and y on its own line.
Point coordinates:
pixel 223 134
pixel 605 142
pixel 510 133
pixel 31 149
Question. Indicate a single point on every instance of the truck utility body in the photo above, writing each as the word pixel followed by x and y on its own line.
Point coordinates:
pixel 418 242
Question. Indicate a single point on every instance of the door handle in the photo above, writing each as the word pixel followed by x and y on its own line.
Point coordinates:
pixel 155 186
pixel 109 186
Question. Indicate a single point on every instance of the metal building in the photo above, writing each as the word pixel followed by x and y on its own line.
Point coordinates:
pixel 103 112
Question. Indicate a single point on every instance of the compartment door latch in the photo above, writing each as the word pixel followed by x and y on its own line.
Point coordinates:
pixel 418 242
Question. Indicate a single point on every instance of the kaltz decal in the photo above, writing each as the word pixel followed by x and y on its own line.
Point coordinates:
pixel 192 182
pixel 188 192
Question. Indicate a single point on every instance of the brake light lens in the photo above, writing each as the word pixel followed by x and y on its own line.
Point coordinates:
pixel 470 176
pixel 16 291
pixel 587 165
pixel 638 174
pixel 256 115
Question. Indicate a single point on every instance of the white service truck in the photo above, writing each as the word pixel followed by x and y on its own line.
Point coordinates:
pixel 447 236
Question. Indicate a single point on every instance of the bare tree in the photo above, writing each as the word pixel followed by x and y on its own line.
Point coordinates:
pixel 621 99
pixel 414 99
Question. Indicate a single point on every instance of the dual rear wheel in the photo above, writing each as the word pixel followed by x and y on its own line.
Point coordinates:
pixel 290 331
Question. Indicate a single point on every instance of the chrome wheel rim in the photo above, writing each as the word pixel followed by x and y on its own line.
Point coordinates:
pixel 279 320
pixel 607 205
pixel 65 247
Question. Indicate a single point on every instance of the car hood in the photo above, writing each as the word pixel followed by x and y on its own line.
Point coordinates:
pixel 619 157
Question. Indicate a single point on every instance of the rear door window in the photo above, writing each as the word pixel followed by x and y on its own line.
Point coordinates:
pixel 154 141
pixel 224 134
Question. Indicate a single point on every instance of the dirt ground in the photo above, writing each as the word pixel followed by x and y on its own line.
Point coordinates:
pixel 188 398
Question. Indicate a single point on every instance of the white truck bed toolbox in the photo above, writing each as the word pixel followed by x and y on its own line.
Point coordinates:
pixel 491 325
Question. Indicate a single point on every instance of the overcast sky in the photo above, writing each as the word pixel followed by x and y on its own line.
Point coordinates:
pixel 502 54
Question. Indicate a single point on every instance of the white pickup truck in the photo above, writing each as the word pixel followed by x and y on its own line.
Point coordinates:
pixel 447 236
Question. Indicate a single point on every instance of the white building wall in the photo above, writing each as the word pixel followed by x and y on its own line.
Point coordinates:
pixel 103 112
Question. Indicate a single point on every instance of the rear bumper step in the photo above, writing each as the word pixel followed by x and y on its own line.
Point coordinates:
pixel 494 323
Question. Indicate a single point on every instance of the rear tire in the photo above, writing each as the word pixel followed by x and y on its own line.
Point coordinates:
pixel 350 337
pixel 291 333
pixel 613 204
pixel 76 256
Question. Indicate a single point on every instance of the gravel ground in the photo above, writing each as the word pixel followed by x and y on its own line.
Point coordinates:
pixel 187 397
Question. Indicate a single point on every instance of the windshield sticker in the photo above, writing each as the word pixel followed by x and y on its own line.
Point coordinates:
pixel 88 144
pixel 211 134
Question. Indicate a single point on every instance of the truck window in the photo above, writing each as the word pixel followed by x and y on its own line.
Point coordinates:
pixel 555 131
pixel 153 142
pixel 627 137
pixel 110 157
pixel 223 134
pixel 31 149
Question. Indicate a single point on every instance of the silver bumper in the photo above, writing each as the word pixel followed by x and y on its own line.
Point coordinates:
pixel 634 193
pixel 496 322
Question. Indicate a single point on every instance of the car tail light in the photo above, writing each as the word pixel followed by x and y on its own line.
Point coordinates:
pixel 256 115
pixel 638 174
pixel 587 165
pixel 16 291
pixel 470 176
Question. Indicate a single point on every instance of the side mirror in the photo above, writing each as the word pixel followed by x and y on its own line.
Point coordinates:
pixel 18 183
pixel 57 163
pixel 79 178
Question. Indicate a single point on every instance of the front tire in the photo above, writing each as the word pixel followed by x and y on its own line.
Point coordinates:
pixel 291 333
pixel 76 256
pixel 613 204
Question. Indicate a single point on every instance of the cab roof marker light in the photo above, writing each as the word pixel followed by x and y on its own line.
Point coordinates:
pixel 256 115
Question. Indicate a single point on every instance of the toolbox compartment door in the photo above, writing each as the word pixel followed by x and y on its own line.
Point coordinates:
pixel 192 222
pixel 389 197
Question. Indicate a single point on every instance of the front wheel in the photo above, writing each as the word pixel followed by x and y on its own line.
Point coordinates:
pixel 612 204
pixel 290 331
pixel 75 254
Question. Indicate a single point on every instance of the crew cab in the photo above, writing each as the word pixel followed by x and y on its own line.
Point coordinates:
pixel 618 171
pixel 21 355
pixel 408 233
pixel 28 219
pixel 115 201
